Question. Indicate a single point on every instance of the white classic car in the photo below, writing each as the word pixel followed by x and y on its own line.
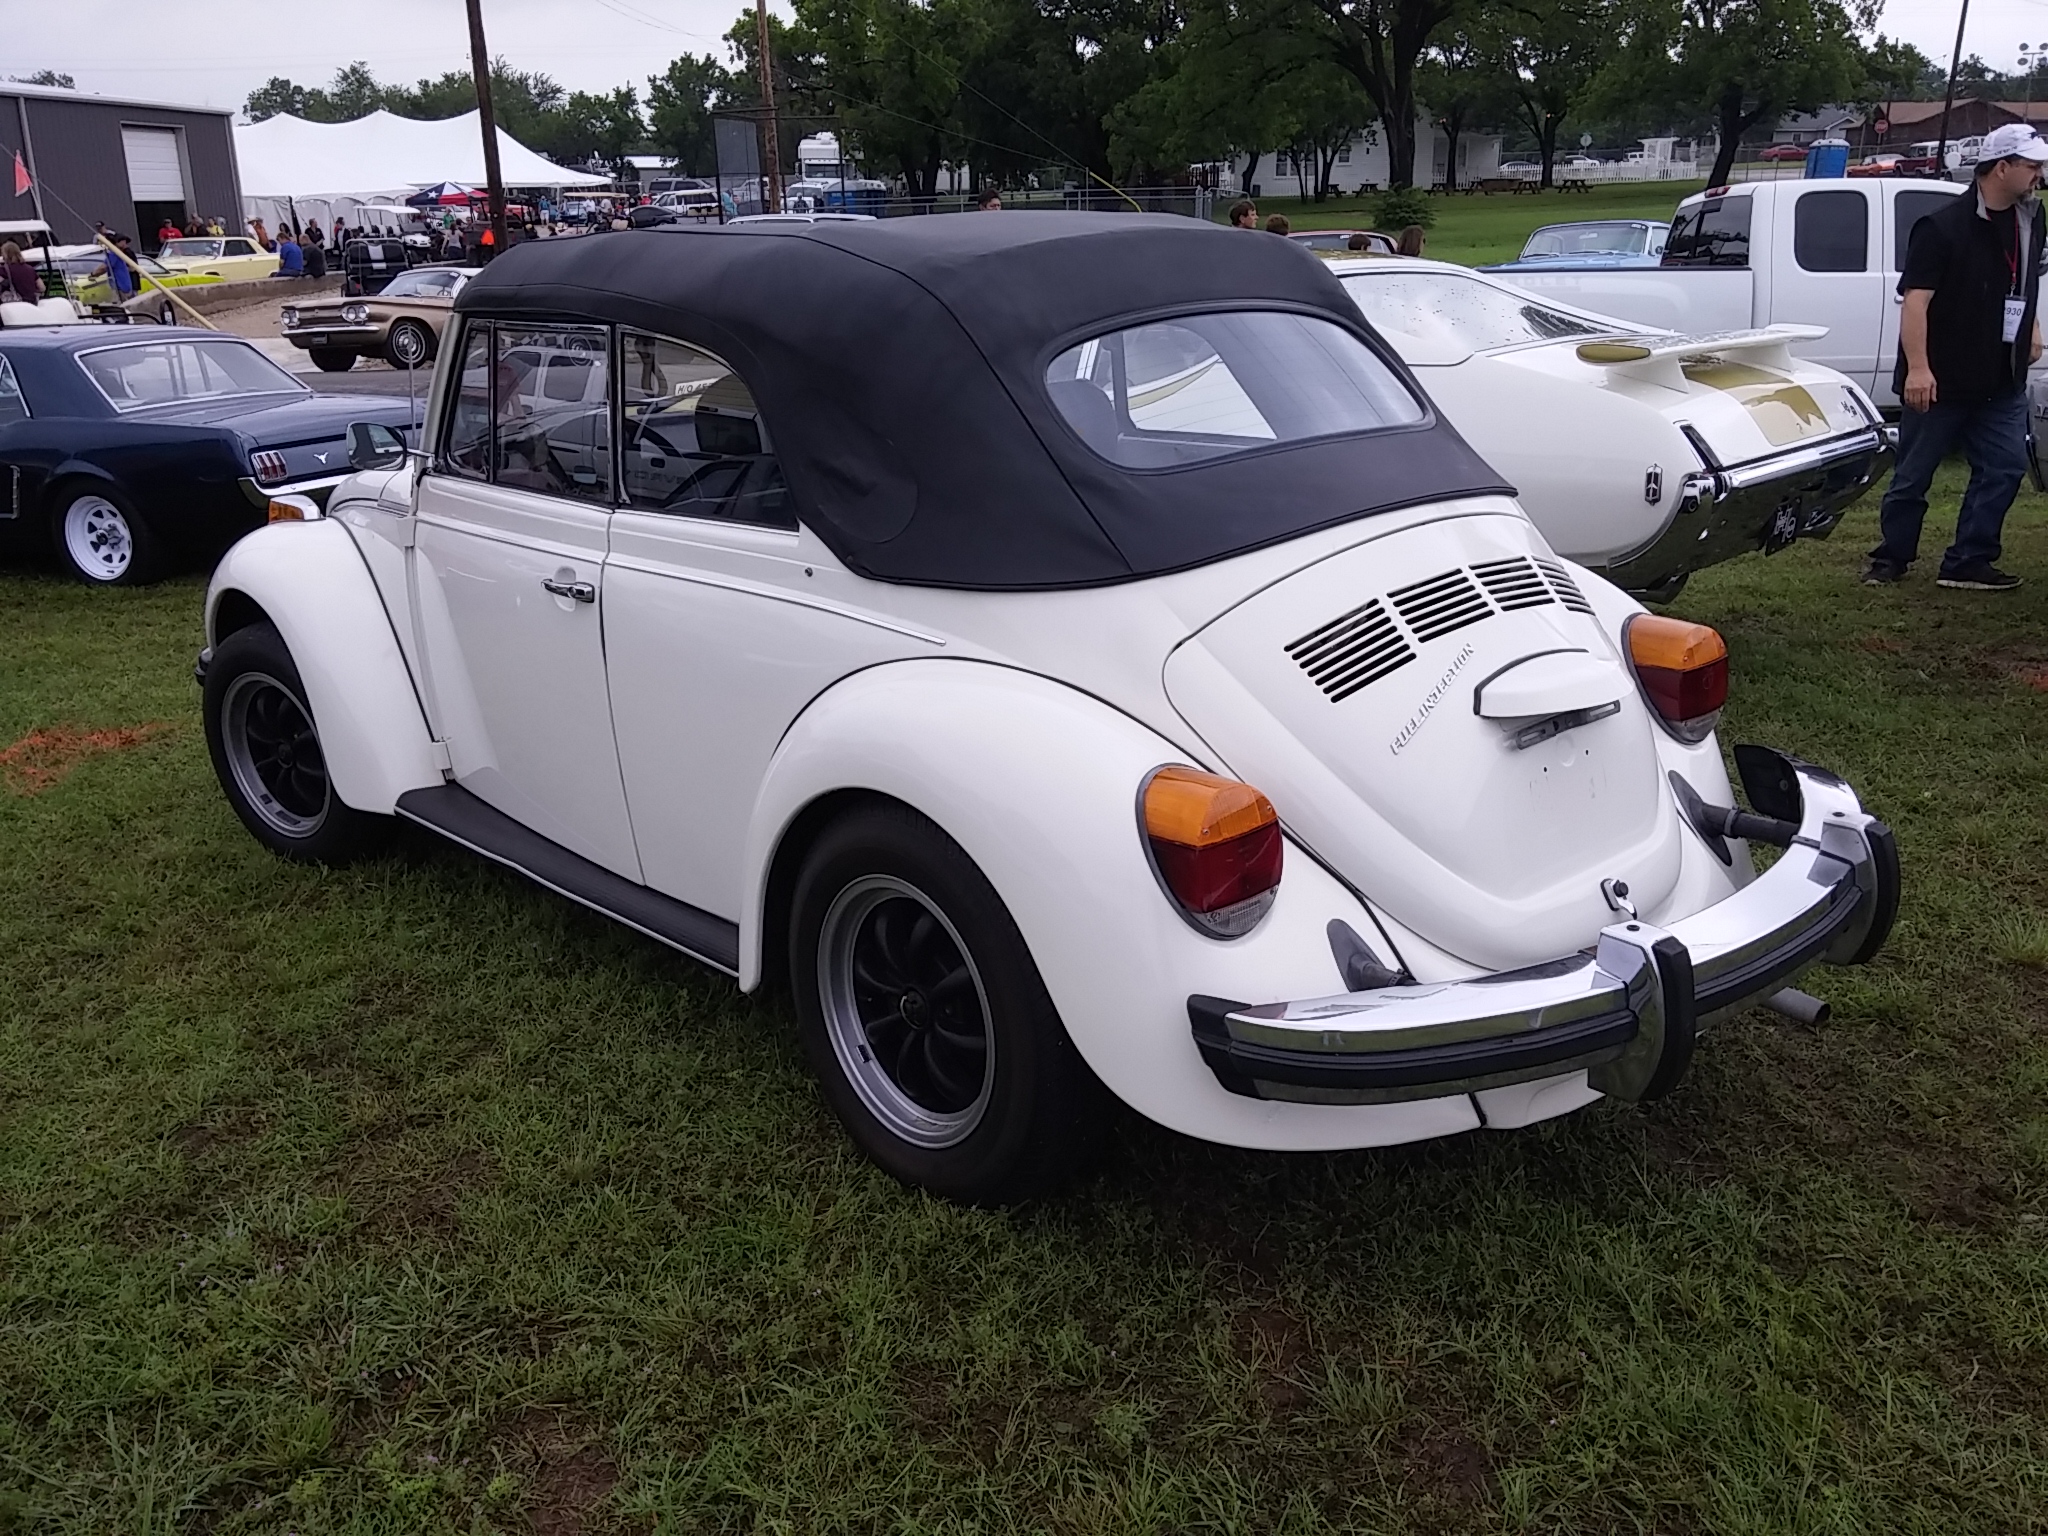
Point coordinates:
pixel 1641 452
pixel 1073 652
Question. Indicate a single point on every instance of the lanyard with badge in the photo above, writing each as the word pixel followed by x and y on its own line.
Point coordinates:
pixel 2015 299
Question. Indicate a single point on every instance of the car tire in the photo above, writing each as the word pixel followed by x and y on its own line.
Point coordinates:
pixel 909 978
pixel 265 747
pixel 101 539
pixel 409 344
pixel 331 359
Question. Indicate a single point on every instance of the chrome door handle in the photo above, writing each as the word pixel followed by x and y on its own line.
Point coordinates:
pixel 581 591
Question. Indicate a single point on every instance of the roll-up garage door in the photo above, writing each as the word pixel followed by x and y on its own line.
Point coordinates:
pixel 155 173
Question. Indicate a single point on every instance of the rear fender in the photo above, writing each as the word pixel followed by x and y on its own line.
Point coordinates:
pixel 309 580
pixel 1039 784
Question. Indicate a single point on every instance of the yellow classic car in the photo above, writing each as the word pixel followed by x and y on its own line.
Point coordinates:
pixel 85 275
pixel 231 257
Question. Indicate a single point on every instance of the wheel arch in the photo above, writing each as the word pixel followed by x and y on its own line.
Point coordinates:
pixel 309 581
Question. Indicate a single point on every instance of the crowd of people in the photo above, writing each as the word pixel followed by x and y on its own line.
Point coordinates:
pixel 1244 214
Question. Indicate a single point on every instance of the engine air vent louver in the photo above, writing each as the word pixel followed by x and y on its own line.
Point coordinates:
pixel 1352 651
pixel 1568 591
pixel 1441 604
pixel 1513 583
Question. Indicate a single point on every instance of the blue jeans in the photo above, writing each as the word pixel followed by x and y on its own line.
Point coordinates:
pixel 1993 434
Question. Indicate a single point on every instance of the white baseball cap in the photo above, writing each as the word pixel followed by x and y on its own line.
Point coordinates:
pixel 2013 141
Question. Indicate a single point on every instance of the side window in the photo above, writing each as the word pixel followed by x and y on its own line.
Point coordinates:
pixel 1831 232
pixel 466 450
pixel 13 407
pixel 241 248
pixel 692 440
pixel 1908 211
pixel 550 411
pixel 1715 234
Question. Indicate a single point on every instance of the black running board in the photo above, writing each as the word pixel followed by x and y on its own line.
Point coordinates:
pixel 461 817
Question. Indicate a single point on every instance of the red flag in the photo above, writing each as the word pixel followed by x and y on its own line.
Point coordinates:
pixel 21 177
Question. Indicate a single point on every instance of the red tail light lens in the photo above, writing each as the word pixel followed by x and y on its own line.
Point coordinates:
pixel 1216 845
pixel 1683 669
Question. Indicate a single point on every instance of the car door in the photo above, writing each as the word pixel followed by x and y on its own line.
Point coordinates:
pixel 1826 270
pixel 1906 207
pixel 245 259
pixel 725 617
pixel 510 595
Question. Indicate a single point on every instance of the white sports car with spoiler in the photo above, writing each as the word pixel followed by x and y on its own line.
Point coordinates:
pixel 1645 454
pixel 1068 679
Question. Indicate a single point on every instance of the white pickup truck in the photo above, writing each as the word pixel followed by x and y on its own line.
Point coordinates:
pixel 1773 252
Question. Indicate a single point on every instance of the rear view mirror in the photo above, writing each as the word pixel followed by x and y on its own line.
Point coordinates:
pixel 372 445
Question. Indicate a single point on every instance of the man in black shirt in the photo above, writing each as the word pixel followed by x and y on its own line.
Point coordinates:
pixel 1967 335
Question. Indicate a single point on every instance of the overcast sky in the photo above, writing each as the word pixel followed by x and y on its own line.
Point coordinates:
pixel 214 52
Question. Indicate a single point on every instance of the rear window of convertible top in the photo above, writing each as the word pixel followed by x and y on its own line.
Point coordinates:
pixel 1195 387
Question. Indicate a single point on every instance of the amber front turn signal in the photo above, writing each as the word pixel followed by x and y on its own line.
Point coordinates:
pixel 1216 846
pixel 1683 669
pixel 292 509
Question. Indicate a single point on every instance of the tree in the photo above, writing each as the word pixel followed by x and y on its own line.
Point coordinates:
pixel 1550 53
pixel 1461 82
pixel 1741 62
pixel 1380 43
pixel 50 77
pixel 895 68
pixel 680 101
pixel 275 97
pixel 351 94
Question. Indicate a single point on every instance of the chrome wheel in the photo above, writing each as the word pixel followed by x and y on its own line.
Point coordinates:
pixel 98 539
pixel 273 751
pixel 906 1012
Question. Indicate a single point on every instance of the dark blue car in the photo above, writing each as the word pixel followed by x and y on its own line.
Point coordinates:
pixel 134 452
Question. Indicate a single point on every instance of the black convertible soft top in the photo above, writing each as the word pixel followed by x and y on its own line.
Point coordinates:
pixel 900 366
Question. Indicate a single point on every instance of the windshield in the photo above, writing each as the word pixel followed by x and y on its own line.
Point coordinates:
pixel 163 373
pixel 1203 386
pixel 1443 306
pixel 423 283
pixel 1617 238
pixel 202 248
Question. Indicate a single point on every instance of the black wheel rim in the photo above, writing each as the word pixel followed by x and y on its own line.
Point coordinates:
pixel 906 1011
pixel 274 753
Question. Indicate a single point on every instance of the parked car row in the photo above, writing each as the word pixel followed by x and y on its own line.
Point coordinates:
pixel 1083 656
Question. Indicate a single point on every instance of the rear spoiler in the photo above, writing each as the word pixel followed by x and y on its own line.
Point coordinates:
pixel 1661 359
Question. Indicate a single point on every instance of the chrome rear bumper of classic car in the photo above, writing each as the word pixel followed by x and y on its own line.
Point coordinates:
pixel 317 486
pixel 1626 1012
pixel 1724 511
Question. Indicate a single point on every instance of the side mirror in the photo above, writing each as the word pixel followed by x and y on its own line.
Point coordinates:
pixel 372 445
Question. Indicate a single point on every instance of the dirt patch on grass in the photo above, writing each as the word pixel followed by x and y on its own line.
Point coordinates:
pixel 1451 1468
pixel 1275 1345
pixel 44 758
pixel 567 1476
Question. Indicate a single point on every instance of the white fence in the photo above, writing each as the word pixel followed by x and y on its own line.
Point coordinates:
pixel 1639 170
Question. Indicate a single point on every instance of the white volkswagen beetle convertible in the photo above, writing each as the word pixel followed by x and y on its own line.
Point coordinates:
pixel 1645 454
pixel 1072 651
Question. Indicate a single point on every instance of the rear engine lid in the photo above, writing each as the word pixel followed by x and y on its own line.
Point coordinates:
pixel 1377 698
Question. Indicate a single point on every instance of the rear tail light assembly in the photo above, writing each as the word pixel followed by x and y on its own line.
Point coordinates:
pixel 268 465
pixel 1215 846
pixel 1682 669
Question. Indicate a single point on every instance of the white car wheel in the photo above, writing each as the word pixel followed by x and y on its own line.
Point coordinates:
pixel 906 1011
pixel 100 540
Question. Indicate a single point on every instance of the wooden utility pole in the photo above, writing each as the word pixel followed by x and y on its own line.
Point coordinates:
pixel 1949 101
pixel 487 119
pixel 769 148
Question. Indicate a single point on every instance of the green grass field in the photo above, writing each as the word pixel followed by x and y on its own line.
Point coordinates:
pixel 1481 228
pixel 412 1198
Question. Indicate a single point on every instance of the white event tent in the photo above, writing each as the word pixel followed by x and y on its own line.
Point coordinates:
pixel 293 168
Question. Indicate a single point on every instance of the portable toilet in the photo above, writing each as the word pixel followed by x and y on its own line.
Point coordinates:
pixel 1827 157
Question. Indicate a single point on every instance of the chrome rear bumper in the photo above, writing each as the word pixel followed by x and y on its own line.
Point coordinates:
pixel 1626 1012
pixel 1764 504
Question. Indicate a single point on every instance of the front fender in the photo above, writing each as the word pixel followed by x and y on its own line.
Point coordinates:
pixel 1038 783
pixel 310 581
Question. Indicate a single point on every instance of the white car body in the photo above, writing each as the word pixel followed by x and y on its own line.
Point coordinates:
pixel 1649 459
pixel 669 709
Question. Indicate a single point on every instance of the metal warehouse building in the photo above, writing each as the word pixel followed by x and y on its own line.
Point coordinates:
pixel 129 164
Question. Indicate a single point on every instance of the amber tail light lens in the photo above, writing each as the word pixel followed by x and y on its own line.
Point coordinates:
pixel 1216 846
pixel 1683 669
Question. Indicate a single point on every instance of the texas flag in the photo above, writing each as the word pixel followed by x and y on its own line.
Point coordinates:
pixel 21 177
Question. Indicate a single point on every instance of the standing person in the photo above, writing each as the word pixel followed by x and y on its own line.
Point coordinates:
pixel 1244 214
pixel 167 232
pixel 1966 337
pixel 120 273
pixel 1412 242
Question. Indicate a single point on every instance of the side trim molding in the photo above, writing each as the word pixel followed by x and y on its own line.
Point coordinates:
pixel 461 817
